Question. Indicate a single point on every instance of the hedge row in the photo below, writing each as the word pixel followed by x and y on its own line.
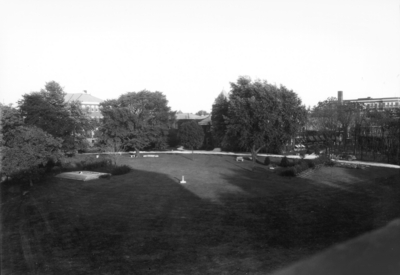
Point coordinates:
pixel 96 165
pixel 291 169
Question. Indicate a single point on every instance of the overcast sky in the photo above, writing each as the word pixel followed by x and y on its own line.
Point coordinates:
pixel 191 50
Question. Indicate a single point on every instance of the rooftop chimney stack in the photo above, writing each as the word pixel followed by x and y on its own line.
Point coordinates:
pixel 340 97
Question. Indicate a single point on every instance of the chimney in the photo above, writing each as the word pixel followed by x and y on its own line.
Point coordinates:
pixel 340 97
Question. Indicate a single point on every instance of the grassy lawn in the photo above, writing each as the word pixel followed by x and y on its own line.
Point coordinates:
pixel 226 219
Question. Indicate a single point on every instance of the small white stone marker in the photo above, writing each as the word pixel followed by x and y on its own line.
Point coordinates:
pixel 183 179
pixel 97 156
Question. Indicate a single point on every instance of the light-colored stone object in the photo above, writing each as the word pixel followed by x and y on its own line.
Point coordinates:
pixel 82 175
pixel 183 179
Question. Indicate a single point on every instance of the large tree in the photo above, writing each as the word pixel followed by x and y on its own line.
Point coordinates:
pixel 324 116
pixel 218 115
pixel 261 115
pixel 136 120
pixel 330 118
pixel 25 148
pixel 191 135
pixel 48 110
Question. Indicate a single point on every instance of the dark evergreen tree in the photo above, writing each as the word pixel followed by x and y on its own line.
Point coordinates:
pixel 191 135
pixel 48 110
pixel 218 116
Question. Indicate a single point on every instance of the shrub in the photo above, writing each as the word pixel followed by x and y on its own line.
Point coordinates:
pixel 94 149
pixel 120 170
pixel 321 160
pixel 94 165
pixel 311 164
pixel 301 166
pixel 330 163
pixel 284 162
pixel 288 172
pixel 107 176
pixel 26 151
pixel 267 161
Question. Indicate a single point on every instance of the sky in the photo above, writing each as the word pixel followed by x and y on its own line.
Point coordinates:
pixel 191 50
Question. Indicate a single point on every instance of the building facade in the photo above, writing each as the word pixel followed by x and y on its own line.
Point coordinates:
pixel 383 103
pixel 89 103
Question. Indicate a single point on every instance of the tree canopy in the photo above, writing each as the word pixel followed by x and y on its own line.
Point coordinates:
pixel 136 120
pixel 261 115
pixel 48 110
pixel 191 135
pixel 218 115
pixel 25 148
pixel 202 113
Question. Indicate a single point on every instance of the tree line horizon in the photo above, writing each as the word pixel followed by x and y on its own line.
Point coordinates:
pixel 255 116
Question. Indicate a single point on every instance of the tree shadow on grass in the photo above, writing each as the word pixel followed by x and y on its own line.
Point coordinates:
pixel 146 222
pixel 296 214
pixel 138 223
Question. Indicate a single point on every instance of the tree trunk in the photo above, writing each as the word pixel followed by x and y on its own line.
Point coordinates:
pixel 254 153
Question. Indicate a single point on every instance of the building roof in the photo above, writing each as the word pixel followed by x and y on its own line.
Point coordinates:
pixel 189 116
pixel 206 121
pixel 83 98
pixel 369 99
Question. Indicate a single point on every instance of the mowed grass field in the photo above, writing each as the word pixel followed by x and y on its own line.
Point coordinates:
pixel 227 218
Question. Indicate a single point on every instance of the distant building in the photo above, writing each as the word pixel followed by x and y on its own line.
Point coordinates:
pixel 381 103
pixel 185 117
pixel 89 103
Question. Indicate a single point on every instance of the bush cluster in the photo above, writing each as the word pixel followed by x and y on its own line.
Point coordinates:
pixel 288 172
pixel 330 163
pixel 120 170
pixel 284 162
pixel 94 149
pixel 324 160
pixel 302 166
pixel 292 169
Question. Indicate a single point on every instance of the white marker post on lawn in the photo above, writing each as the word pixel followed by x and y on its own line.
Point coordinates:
pixel 183 179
